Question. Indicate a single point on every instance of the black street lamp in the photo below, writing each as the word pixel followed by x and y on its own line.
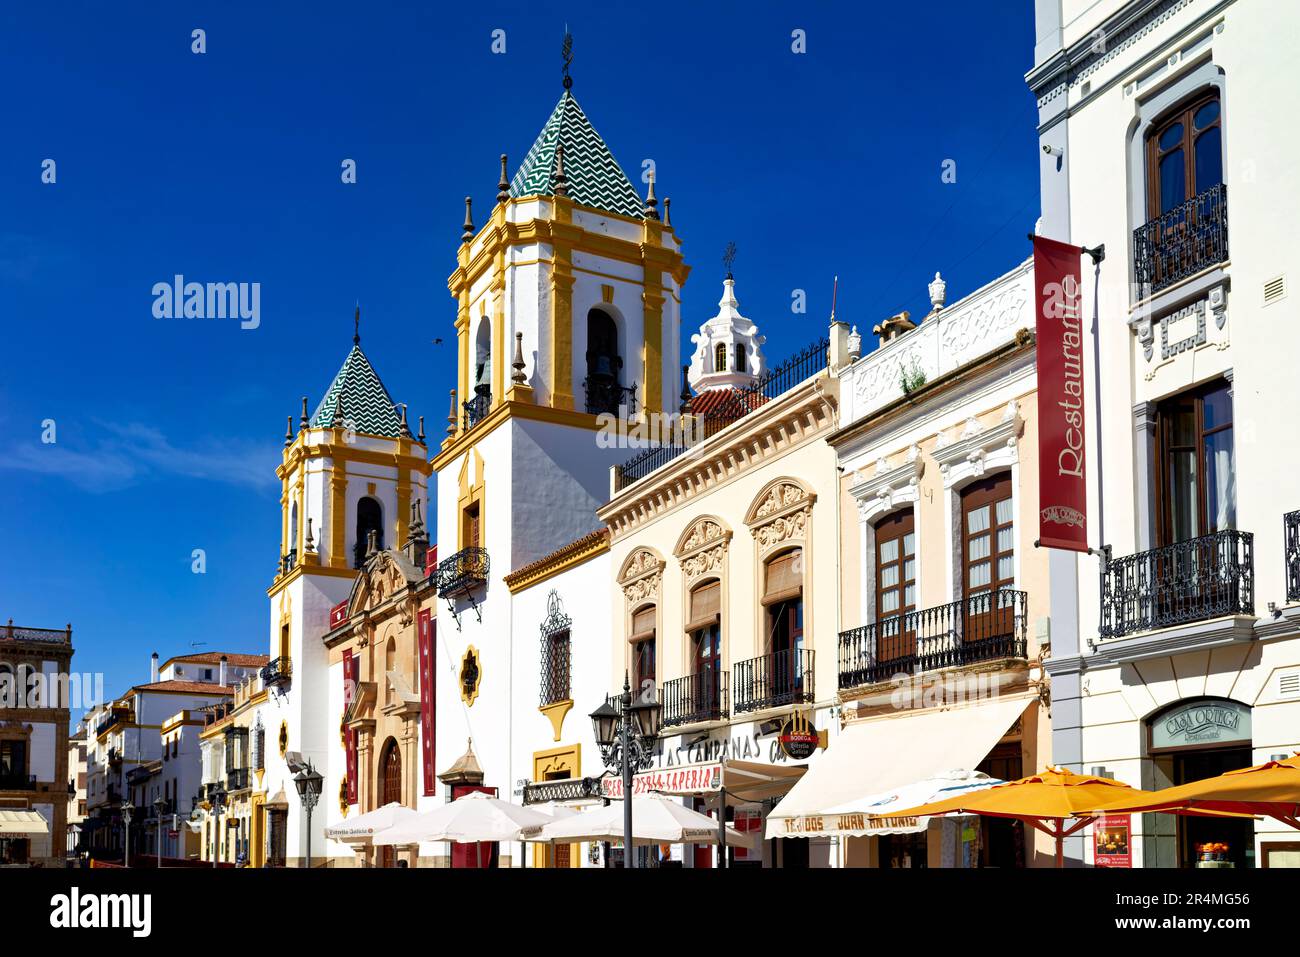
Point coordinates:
pixel 309 783
pixel 218 799
pixel 127 808
pixel 158 805
pixel 626 733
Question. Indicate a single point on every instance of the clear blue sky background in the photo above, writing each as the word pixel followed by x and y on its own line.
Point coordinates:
pixel 225 167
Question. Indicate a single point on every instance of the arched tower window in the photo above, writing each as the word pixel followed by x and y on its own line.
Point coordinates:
pixel 604 364
pixel 370 517
pixel 741 361
pixel 720 357
pixel 291 556
pixel 483 358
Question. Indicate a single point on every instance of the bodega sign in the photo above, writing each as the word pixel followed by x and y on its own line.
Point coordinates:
pixel 1062 481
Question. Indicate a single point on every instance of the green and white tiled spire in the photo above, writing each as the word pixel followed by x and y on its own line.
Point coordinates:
pixel 594 177
pixel 360 397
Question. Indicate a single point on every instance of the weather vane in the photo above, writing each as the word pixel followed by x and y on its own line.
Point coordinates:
pixel 729 257
pixel 567 53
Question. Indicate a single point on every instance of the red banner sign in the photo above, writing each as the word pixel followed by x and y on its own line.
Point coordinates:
pixel 426 628
pixel 1062 480
pixel 351 671
pixel 687 779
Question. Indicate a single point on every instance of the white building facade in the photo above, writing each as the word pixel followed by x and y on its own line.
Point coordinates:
pixel 1159 124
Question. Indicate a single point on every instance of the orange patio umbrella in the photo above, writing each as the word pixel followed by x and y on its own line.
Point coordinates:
pixel 1044 800
pixel 1271 788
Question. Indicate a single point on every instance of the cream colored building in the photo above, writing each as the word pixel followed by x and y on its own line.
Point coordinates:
pixel 724 560
pixel 944 605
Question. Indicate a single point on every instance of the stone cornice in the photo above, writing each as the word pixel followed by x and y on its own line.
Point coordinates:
pixel 805 413
pixel 575 553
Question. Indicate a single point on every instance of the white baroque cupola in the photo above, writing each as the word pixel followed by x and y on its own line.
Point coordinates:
pixel 728 349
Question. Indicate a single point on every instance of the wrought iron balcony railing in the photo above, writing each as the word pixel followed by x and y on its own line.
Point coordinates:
pixel 276 671
pixel 606 396
pixel 477 407
pixel 462 572
pixel 1182 242
pixel 698 697
pixel 772 681
pixel 287 562
pixel 734 406
pixel 1291 533
pixel 17 782
pixel 237 779
pixel 988 626
pixel 1195 580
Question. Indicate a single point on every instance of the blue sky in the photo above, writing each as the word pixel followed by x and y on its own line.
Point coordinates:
pixel 225 167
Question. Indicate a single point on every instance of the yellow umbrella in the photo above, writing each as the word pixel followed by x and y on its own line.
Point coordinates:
pixel 1271 788
pixel 1043 799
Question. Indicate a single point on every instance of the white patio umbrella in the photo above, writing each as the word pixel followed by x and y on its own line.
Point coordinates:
pixel 656 819
pixel 942 786
pixel 364 827
pixel 474 818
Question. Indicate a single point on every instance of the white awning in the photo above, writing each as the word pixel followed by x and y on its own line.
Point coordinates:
pixel 878 754
pixel 22 821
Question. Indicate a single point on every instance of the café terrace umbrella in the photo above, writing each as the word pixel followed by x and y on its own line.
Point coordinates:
pixel 656 819
pixel 1047 798
pixel 472 819
pixel 1271 789
pixel 365 826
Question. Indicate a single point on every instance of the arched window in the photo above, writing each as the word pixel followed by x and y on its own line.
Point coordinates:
pixel 291 558
pixel 783 602
pixel 742 363
pixel 483 358
pixel 604 364
pixel 370 517
pixel 642 647
pixel 720 357
pixel 704 634
pixel 1185 153
pixel 390 666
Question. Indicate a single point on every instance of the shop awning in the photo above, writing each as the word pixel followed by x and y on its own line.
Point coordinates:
pixel 22 821
pixel 877 754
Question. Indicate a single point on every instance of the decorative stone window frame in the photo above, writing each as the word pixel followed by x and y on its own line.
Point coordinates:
pixel 977 450
pixel 780 518
pixel 701 552
pixel 641 579
pixel 887 490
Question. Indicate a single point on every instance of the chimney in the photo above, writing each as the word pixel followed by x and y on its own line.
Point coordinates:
pixel 221 674
pixel 153 669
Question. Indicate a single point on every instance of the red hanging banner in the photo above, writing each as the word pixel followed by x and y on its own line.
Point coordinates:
pixel 1062 479
pixel 427 702
pixel 351 672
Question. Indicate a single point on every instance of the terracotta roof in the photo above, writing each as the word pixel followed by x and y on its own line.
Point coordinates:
pixel 727 403
pixel 234 659
pixel 184 687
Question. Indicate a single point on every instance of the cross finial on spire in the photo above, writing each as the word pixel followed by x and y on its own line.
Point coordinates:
pixel 729 257
pixel 356 325
pixel 566 51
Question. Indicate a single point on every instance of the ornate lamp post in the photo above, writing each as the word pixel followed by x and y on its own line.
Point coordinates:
pixel 158 806
pixel 309 783
pixel 218 799
pixel 127 808
pixel 626 732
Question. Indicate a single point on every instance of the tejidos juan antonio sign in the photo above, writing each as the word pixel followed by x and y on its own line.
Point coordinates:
pixel 1062 479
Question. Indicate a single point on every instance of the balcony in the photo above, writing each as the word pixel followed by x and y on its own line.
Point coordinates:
pixel 606 397
pixel 477 408
pixel 237 779
pixel 733 407
pixel 17 782
pixel 1195 580
pixel 463 572
pixel 114 756
pixel 989 626
pixel 774 681
pixel 288 562
pixel 1182 242
pixel 276 671
pixel 1291 534
pixel 698 697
